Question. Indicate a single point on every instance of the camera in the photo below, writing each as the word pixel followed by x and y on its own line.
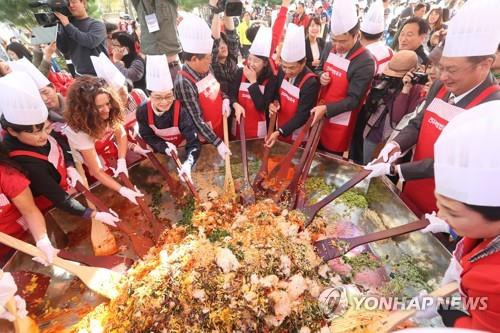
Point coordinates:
pixel 419 78
pixel 229 7
pixel 46 16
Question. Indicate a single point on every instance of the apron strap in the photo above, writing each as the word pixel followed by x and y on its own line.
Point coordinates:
pixel 15 153
pixel 177 108
pixel 150 113
pixel 483 95
pixel 442 92
pixel 356 53
pixel 187 76
pixel 305 78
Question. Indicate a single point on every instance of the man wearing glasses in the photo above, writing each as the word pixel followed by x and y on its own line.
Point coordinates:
pixel 81 37
pixel 465 80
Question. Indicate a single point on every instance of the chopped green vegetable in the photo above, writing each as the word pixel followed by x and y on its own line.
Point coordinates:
pixel 407 273
pixel 362 261
pixel 217 235
pixel 353 199
pixel 317 186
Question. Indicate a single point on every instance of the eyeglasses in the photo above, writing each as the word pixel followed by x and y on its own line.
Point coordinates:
pixel 168 98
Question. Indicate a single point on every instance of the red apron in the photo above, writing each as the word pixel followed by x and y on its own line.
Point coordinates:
pixel 255 121
pixel 419 194
pixel 56 158
pixel 337 132
pixel 171 134
pixel 382 54
pixel 289 103
pixel 210 100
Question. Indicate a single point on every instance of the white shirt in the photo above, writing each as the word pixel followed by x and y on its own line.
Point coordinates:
pixel 459 97
pixel 79 140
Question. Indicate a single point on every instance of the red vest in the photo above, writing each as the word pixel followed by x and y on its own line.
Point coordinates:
pixel 56 158
pixel 420 193
pixel 210 100
pixel 11 220
pixel 255 121
pixel 289 103
pixel 337 132
pixel 171 134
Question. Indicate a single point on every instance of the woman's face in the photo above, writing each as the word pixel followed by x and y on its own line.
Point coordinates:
pixel 37 138
pixel 433 17
pixel 314 29
pixel 465 221
pixel 223 51
pixel 256 63
pixel 103 105
pixel 4 68
pixel 433 72
pixel 12 55
pixel 162 100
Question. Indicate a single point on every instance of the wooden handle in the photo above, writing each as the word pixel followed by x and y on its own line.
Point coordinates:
pixel 188 182
pixel 244 157
pixel 396 231
pixel 229 182
pixel 101 206
pixel 35 252
pixel 265 157
pixel 390 322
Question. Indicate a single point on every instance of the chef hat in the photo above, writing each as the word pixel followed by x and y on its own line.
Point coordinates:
pixel 157 73
pixel 21 102
pixel 318 4
pixel 24 65
pixel 106 70
pixel 474 30
pixel 466 162
pixel 294 45
pixel 373 21
pixel 195 35
pixel 344 16
pixel 261 45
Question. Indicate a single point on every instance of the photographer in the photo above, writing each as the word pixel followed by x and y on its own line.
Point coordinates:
pixel 81 37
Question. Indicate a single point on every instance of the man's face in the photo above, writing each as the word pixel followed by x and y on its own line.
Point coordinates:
pixel 420 13
pixel 409 39
pixel 162 100
pixel 292 69
pixel 77 8
pixel 246 17
pixel 223 51
pixel 201 65
pixel 460 75
pixel 49 97
pixel 343 43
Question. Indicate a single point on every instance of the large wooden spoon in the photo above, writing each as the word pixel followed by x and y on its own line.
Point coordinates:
pixel 228 180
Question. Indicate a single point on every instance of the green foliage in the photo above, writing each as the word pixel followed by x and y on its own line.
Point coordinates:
pixel 269 3
pixel 188 5
pixel 21 15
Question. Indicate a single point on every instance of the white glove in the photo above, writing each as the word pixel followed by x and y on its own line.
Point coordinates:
pixel 226 108
pixel 44 245
pixel 185 170
pixel 223 150
pixel 429 306
pixel 170 148
pixel 130 194
pixel 378 169
pixel 73 176
pixel 108 218
pixel 20 307
pixel 138 149
pixel 452 273
pixel 436 224
pixel 384 153
pixel 121 166
pixel 8 288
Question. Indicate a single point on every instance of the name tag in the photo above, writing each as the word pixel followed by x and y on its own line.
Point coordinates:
pixel 152 22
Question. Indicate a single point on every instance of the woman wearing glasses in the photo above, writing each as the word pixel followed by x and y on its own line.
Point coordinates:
pixel 92 110
pixel 162 123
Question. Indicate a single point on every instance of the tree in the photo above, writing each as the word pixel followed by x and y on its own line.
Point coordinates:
pixel 188 5
pixel 21 14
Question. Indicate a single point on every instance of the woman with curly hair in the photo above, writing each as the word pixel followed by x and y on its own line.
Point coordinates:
pixel 94 115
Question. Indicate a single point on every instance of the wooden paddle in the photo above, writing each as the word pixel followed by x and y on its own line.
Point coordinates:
pixel 331 248
pixel 228 180
pixel 389 323
pixel 140 243
pixel 246 191
pixel 100 280
pixel 311 211
pixel 21 325
pixel 262 173
pixel 188 181
pixel 103 241
pixel 109 262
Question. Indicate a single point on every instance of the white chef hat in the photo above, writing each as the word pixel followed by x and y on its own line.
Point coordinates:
pixel 344 16
pixel 195 35
pixel 373 21
pixel 466 159
pixel 157 73
pixel 106 70
pixel 294 45
pixel 21 103
pixel 24 65
pixel 474 30
pixel 261 45
pixel 318 4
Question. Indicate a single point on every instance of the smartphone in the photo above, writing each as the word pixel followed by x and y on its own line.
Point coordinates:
pixel 43 35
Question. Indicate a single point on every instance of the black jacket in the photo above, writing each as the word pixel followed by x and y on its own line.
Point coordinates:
pixel 307 100
pixel 360 74
pixel 408 136
pixel 166 120
pixel 309 55
pixel 44 177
